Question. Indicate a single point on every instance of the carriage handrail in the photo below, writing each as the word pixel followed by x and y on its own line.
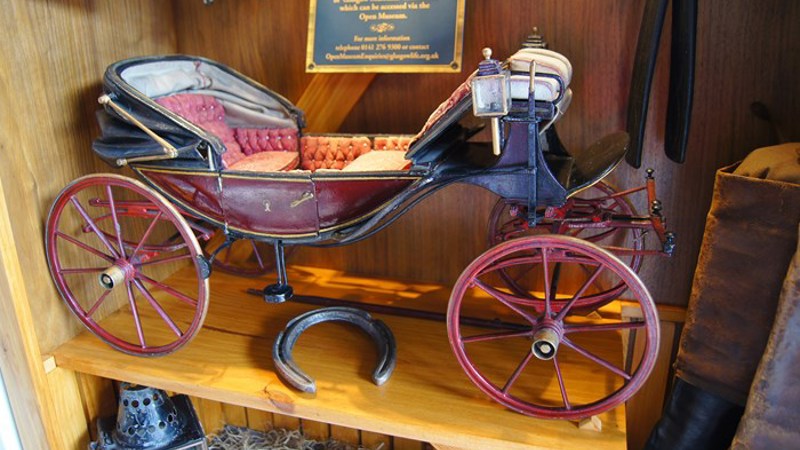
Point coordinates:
pixel 170 152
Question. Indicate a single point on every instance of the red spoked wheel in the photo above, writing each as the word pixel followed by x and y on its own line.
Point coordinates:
pixel 586 215
pixel 244 257
pixel 109 240
pixel 539 361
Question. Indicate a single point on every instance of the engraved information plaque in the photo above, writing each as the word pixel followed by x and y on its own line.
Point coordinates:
pixel 385 36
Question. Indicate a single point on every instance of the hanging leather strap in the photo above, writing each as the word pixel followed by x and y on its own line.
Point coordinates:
pixel 643 67
pixel 681 78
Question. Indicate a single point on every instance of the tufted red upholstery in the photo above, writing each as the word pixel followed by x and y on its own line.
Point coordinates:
pixel 207 113
pixel 254 140
pixel 329 152
pixel 241 143
pixel 392 143
pixel 270 150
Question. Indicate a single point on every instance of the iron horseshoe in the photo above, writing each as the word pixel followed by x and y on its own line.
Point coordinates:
pixel 376 329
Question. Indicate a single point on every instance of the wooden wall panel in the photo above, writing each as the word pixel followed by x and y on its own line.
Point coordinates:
pixel 747 51
pixel 53 63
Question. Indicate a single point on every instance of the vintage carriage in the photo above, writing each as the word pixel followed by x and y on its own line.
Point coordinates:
pixel 224 160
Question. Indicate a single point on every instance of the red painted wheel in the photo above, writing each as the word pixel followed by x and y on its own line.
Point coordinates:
pixel 245 257
pixel 539 362
pixel 109 240
pixel 585 215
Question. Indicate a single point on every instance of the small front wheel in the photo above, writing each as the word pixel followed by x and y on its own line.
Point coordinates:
pixel 110 241
pixel 549 359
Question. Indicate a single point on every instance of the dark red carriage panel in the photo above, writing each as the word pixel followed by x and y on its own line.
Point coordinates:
pixel 195 191
pixel 344 200
pixel 271 206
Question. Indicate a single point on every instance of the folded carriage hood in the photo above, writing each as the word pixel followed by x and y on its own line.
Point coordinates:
pixel 135 83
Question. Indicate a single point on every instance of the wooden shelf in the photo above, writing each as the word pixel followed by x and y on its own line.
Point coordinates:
pixel 428 398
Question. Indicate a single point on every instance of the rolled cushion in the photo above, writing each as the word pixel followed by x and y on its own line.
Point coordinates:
pixel 547 61
pixel 267 162
pixel 378 161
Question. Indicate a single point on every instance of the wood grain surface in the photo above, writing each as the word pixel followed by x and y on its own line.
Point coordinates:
pixel 54 56
pixel 428 397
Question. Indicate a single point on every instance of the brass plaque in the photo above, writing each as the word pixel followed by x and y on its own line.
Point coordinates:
pixel 385 36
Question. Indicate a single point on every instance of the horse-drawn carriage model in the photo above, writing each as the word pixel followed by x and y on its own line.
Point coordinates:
pixel 225 163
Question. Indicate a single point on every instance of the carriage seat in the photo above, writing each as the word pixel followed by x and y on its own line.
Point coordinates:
pixel 354 153
pixel 251 149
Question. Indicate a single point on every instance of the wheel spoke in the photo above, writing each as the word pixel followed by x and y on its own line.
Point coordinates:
pixel 164 316
pixel 547 287
pixel 146 234
pixel 603 327
pixel 97 304
pixel 506 300
pixel 115 219
pixel 226 253
pixel 93 226
pixel 565 310
pixel 258 255
pixel 496 336
pixel 511 262
pixel 166 260
pixel 81 270
pixel 596 359
pixel 554 284
pixel 517 372
pixel 561 382
pixel 179 295
pixel 136 319
pixel 85 246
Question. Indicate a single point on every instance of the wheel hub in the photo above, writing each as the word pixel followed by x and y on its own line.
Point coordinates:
pixel 546 340
pixel 115 275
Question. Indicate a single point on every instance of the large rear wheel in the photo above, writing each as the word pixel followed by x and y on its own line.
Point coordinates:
pixel 550 359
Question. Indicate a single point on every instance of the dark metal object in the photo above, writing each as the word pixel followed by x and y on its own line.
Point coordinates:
pixel 535 40
pixel 377 330
pixel 681 82
pixel 681 78
pixel 397 311
pixel 280 291
pixel 149 419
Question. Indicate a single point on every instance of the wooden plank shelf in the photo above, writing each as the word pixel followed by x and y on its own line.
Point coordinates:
pixel 428 398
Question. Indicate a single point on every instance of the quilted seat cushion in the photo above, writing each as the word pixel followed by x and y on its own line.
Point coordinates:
pixel 255 140
pixel 209 114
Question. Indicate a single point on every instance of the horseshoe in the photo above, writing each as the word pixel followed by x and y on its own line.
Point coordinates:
pixel 377 330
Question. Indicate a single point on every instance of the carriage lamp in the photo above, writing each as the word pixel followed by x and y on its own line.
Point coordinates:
pixel 491 94
pixel 148 419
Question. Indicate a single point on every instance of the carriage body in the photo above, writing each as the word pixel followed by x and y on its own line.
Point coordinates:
pixel 291 199
pixel 222 155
